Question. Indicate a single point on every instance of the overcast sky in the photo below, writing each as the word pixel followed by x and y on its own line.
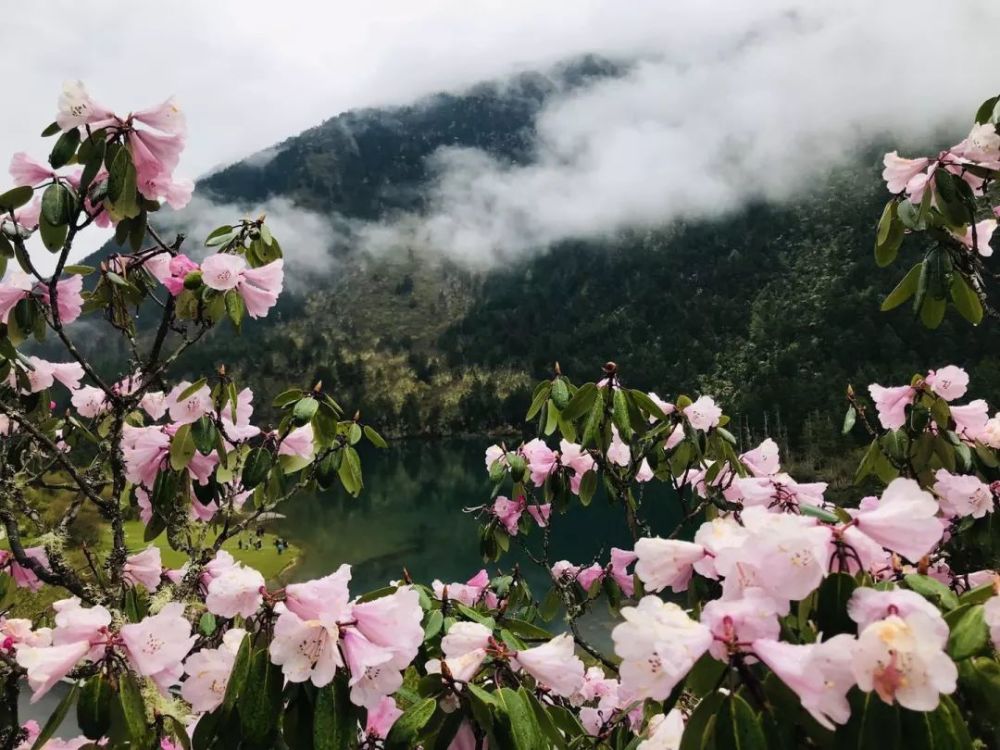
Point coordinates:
pixel 756 95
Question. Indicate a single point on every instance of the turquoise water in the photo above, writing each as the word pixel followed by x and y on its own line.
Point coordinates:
pixel 411 515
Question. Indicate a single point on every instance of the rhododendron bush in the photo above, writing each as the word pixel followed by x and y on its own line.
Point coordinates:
pixel 768 617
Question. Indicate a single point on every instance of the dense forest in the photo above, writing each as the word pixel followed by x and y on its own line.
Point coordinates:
pixel 772 309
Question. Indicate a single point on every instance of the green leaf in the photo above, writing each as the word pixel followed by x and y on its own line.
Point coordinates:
pixel 58 205
pixel 52 725
pixel 966 301
pixel 133 710
pixel 207 624
pixel 737 726
pixel 932 590
pixel 581 401
pixel 182 448
pixel 970 634
pixel 904 290
pixel 405 733
pixel 235 307
pixel 304 410
pixel 518 727
pixel 889 236
pixel 256 468
pixel 239 675
pixel 560 393
pixel 831 605
pixel 51 130
pixel 350 471
pixel 949 198
pixel 374 438
pixel 539 399
pixel 204 433
pixel 260 702
pixel 93 709
pixel 65 148
pixel 192 389
pixel 987 110
pixel 932 312
pixel 620 414
pixel 697 725
pixel 873 724
pixel 588 486
pixel 52 236
pixel 220 236
pixel 334 723
pixel 15 198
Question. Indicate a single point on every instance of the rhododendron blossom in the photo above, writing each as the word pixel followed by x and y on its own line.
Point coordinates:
pixel 259 287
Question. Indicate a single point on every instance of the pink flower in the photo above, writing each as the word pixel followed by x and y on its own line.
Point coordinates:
pixel 47 665
pixel 735 623
pixel 764 460
pixel 963 494
pixel 208 672
pixel 259 287
pixel 903 660
pixel 166 117
pixel 620 561
pixel 904 520
pixel 618 451
pixel 381 718
pixel 971 419
pixel 665 407
pixel 157 645
pixel 508 512
pixel 983 235
pixel 154 403
pixel 991 613
pixel 541 514
pixel 89 401
pixel 904 174
pixel 891 404
pixel 25 577
pixel 240 429
pixel 192 407
pixel 42 374
pixel 76 108
pixel 554 665
pixel 493 454
pixel 298 442
pixel 237 591
pixel 469 593
pixel 577 460
pixel 703 414
pixel 170 271
pixel 145 568
pixel 664 563
pixel 658 644
pixel 69 300
pixel 14 287
pixel 464 649
pixel 868 605
pixel 949 382
pixel 777 490
pixel 144 450
pixel 665 732
pixel 819 673
pixel 28 171
pixel 390 624
pixel 589 575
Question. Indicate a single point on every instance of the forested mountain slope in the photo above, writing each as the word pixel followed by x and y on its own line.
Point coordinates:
pixel 778 301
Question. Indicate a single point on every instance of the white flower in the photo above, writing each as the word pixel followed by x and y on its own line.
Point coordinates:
pixel 658 644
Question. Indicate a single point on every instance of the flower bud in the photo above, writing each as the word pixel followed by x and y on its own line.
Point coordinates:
pixel 192 280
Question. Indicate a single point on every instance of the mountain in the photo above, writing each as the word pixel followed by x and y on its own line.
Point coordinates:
pixel 773 308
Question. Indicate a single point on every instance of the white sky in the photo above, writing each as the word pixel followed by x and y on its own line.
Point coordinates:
pixel 745 74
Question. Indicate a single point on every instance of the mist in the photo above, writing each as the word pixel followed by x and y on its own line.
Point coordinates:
pixel 732 104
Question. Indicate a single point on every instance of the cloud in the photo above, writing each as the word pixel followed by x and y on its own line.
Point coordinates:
pixel 305 236
pixel 738 102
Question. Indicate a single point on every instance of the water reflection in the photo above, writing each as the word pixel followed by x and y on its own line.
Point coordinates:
pixel 410 514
